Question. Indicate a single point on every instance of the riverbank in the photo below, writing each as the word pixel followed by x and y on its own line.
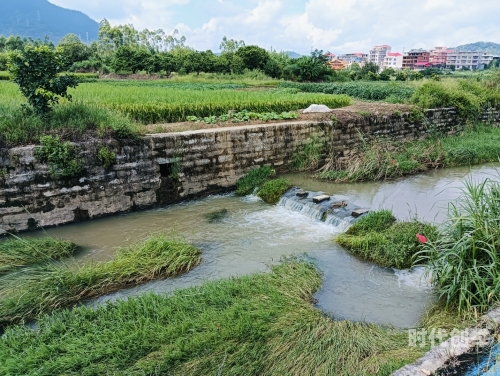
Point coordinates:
pixel 262 324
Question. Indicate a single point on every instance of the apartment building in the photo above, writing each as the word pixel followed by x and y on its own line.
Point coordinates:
pixel 378 53
pixel 416 59
pixel 468 60
pixel 393 60
pixel 438 56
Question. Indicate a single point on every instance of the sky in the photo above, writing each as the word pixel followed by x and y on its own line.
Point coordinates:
pixel 338 26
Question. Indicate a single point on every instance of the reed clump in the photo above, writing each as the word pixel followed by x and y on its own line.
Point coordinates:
pixel 263 324
pixel 37 289
pixel 378 238
pixel 18 252
pixel 464 263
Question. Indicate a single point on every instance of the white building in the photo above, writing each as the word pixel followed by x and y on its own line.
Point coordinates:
pixel 468 60
pixel 393 60
pixel 378 54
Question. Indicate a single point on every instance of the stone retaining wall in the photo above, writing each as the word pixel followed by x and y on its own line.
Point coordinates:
pixel 212 161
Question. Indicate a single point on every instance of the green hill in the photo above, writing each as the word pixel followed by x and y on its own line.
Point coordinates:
pixel 38 18
pixel 490 47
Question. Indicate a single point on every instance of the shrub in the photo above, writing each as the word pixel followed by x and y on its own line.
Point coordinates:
pixel 36 72
pixel 247 184
pixel 61 156
pixel 464 264
pixel 272 190
pixel 389 245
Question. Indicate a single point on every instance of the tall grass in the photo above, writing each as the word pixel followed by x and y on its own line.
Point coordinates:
pixel 262 324
pixel 386 159
pixel 376 238
pixel 19 252
pixel 31 291
pixel 464 263
pixel 71 121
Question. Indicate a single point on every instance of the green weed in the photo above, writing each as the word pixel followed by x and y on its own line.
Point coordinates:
pixel 61 157
pixel 271 191
pixel 256 177
pixel 309 156
pixel 106 156
pixel 216 216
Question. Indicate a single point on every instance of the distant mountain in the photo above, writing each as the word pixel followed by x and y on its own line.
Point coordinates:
pixel 293 55
pixel 490 47
pixel 38 18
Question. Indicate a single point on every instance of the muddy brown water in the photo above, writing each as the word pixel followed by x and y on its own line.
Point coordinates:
pixel 256 235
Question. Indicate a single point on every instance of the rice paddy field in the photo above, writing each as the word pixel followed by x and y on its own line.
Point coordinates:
pixel 150 102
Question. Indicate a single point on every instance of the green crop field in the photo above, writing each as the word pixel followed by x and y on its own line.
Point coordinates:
pixel 158 101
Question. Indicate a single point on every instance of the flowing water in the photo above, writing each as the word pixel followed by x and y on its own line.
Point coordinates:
pixel 255 235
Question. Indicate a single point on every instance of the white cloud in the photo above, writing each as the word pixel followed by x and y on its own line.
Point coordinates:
pixel 335 25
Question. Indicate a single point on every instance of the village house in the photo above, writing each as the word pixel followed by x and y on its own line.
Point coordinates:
pixel 468 60
pixel 438 56
pixel 393 60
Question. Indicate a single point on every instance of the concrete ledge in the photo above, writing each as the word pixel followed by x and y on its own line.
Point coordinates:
pixel 468 341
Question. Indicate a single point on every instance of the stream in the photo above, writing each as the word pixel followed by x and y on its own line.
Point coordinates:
pixel 255 235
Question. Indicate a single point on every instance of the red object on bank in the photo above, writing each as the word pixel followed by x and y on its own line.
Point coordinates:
pixel 421 238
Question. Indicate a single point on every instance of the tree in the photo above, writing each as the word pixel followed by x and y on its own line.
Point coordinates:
pixel 367 69
pixel 254 57
pixel 123 59
pixel 36 71
pixel 73 50
pixel 230 45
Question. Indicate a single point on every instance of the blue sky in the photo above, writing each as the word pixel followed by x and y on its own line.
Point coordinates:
pixel 339 26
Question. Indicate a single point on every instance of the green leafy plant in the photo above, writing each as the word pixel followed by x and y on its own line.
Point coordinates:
pixel 271 191
pixel 247 184
pixel 106 156
pixel 61 157
pixel 36 71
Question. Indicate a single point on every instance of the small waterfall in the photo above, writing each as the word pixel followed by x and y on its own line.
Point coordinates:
pixel 340 218
pixel 306 208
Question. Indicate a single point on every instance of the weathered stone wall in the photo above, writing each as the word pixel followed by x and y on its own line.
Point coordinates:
pixel 212 161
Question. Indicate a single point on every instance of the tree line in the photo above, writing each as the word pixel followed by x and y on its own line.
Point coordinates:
pixel 123 49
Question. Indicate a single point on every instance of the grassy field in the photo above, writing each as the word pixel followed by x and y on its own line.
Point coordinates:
pixel 262 324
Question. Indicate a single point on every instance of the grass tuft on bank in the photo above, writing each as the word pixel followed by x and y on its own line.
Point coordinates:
pixel 379 239
pixel 37 289
pixel 18 252
pixel 263 324
pixel 253 179
pixel 385 159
